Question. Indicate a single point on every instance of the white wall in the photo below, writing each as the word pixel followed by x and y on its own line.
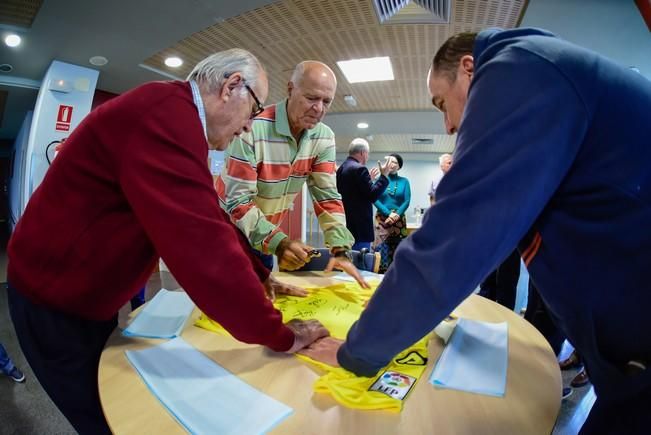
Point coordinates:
pixel 613 28
pixel 418 168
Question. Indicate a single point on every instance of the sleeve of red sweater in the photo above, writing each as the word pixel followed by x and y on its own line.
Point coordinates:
pixel 163 171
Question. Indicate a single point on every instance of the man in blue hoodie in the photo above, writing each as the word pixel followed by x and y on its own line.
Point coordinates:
pixel 553 156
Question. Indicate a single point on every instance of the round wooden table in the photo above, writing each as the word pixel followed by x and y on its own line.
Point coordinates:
pixel 530 405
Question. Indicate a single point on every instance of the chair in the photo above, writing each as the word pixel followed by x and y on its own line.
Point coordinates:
pixel 363 260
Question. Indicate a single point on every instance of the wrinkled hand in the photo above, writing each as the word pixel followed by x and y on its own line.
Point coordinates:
pixel 375 172
pixel 273 287
pixel 387 167
pixel 342 263
pixel 305 333
pixel 324 350
pixel 393 218
pixel 292 254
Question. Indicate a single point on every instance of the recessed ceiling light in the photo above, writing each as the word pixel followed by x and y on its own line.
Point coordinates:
pixel 371 69
pixel 173 62
pixel 12 40
pixel 98 60
pixel 362 125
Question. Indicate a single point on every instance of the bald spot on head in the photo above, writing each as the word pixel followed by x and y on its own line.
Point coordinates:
pixel 313 71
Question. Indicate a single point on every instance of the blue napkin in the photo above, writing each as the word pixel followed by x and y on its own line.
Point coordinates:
pixel 163 317
pixel 203 396
pixel 475 359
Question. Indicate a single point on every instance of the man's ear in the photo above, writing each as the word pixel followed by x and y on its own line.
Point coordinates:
pixel 467 65
pixel 231 82
pixel 290 88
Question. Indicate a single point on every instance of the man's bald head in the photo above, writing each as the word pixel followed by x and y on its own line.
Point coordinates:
pixel 311 91
pixel 312 70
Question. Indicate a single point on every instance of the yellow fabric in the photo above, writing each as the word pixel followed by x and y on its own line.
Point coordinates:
pixel 338 307
pixel 388 390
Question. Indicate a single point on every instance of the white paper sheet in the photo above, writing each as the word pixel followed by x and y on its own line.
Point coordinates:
pixel 203 396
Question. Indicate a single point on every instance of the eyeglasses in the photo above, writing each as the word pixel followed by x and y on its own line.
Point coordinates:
pixel 259 108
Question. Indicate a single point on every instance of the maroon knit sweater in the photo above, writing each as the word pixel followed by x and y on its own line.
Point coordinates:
pixel 132 183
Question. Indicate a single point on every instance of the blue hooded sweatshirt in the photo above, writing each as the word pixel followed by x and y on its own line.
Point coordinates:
pixel 553 156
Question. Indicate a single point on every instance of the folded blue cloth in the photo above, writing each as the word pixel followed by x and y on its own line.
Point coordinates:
pixel 475 359
pixel 163 317
pixel 203 396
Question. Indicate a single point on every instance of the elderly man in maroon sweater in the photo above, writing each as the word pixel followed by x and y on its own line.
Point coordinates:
pixel 132 184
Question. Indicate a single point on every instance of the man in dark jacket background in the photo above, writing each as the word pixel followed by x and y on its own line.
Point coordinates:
pixel 358 191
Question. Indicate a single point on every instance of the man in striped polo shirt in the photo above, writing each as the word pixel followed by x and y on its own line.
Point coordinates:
pixel 266 167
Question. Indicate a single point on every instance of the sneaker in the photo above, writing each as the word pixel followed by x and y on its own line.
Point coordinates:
pixel 567 392
pixel 16 375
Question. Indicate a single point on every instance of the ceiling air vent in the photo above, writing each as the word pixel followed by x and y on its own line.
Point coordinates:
pixel 422 141
pixel 413 11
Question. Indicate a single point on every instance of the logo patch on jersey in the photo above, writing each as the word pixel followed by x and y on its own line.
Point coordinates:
pixel 393 384
pixel 413 358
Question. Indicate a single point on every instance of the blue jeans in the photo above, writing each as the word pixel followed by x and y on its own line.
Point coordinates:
pixel 6 364
pixel 358 246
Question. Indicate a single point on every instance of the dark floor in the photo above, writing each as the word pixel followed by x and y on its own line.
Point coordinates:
pixel 25 409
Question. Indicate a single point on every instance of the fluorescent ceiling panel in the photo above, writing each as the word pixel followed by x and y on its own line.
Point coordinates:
pixel 371 69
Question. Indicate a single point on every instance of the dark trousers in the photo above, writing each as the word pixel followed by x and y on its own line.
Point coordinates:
pixel 501 286
pixel 538 315
pixel 630 417
pixel 64 351
pixel 358 246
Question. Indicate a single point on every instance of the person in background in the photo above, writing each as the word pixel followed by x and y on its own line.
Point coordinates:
pixel 390 220
pixel 358 191
pixel 266 167
pixel 136 184
pixel 445 162
pixel 8 368
pixel 534 166
pixel 501 285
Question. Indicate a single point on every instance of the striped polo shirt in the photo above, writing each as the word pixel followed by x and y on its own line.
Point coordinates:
pixel 265 169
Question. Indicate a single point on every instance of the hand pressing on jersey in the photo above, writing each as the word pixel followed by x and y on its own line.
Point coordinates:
pixel 340 261
pixel 292 254
pixel 324 350
pixel 305 333
pixel 273 287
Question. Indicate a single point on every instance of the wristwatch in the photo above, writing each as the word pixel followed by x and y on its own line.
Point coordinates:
pixel 344 253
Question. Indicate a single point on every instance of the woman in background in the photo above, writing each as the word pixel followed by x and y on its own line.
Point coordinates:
pixel 390 221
